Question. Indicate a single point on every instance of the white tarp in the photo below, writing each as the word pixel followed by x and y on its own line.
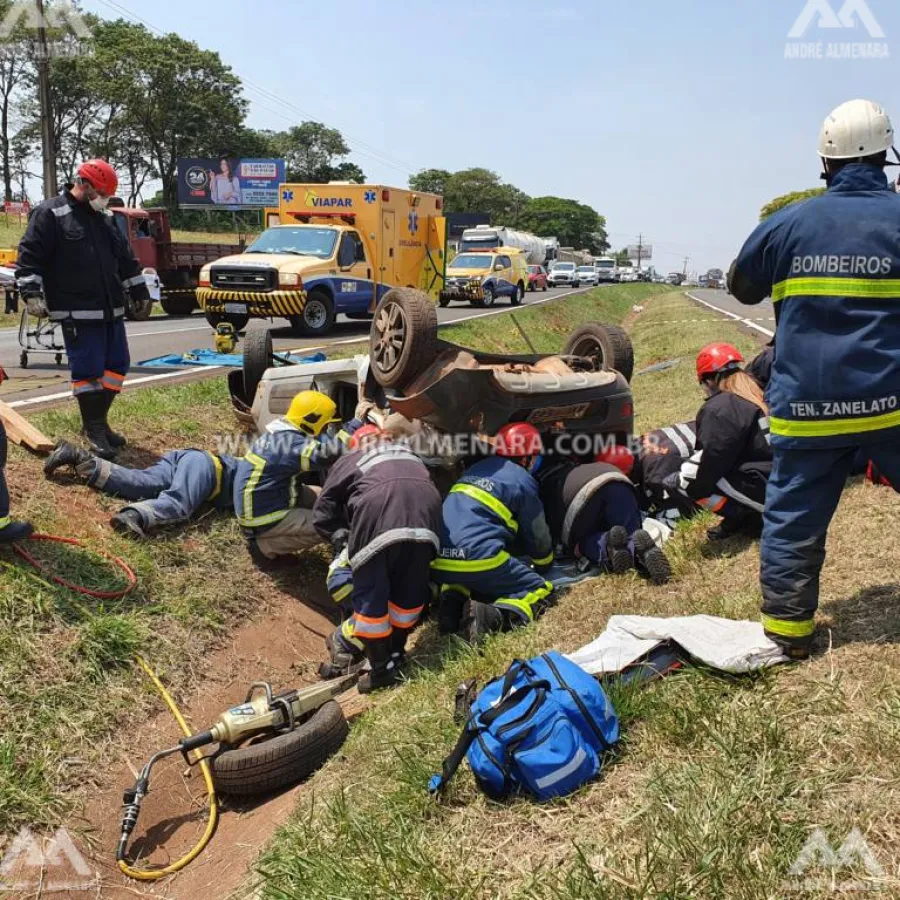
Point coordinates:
pixel 725 644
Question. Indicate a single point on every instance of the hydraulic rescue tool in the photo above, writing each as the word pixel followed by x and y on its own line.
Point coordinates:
pixel 262 713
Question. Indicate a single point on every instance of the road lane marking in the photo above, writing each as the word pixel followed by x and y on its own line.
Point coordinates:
pixel 748 322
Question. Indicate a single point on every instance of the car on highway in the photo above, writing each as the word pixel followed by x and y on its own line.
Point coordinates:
pixel 607 270
pixel 587 275
pixel 537 278
pixel 479 277
pixel 562 275
pixel 451 389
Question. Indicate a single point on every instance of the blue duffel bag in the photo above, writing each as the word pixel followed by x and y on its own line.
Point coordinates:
pixel 541 729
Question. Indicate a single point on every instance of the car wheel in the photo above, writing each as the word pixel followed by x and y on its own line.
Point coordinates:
pixel 257 358
pixel 544 288
pixel 239 323
pixel 488 296
pixel 317 317
pixel 608 345
pixel 444 302
pixel 532 286
pixel 138 310
pixel 403 339
pixel 518 296
pixel 178 306
pixel 283 760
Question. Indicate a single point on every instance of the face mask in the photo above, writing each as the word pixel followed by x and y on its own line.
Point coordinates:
pixel 98 203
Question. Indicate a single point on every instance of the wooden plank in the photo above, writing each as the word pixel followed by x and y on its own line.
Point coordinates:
pixel 352 703
pixel 20 431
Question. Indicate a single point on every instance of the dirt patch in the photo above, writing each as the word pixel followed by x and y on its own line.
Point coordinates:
pixel 283 646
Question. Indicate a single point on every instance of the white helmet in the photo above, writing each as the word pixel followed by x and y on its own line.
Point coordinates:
pixel 856 129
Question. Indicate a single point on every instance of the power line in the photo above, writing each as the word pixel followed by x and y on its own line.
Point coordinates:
pixel 357 146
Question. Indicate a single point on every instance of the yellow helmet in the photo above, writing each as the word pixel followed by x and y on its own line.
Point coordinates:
pixel 311 412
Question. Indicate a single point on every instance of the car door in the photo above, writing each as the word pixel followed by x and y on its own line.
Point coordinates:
pixel 354 288
pixel 504 278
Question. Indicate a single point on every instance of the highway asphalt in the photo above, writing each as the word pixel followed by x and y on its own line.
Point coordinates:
pixel 44 382
pixel 760 318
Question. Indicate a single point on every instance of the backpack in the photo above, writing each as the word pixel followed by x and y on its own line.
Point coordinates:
pixel 541 729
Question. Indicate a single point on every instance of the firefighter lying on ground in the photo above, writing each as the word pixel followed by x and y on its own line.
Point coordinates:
pixel 272 503
pixel 730 468
pixel 10 530
pixel 594 515
pixel 167 493
pixel 380 509
pixel 493 515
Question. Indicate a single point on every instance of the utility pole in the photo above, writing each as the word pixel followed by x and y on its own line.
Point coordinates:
pixel 640 253
pixel 687 259
pixel 48 150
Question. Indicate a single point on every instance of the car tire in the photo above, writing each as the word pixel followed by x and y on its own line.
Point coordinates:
pixel 489 296
pixel 138 311
pixel 178 306
pixel 257 358
pixel 608 344
pixel 518 296
pixel 283 760
pixel 238 322
pixel 444 302
pixel 317 317
pixel 544 288
pixel 403 339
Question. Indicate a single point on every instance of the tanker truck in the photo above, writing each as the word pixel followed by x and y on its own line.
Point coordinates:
pixel 488 237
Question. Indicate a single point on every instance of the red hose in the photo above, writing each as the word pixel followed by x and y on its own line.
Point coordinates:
pixel 77 588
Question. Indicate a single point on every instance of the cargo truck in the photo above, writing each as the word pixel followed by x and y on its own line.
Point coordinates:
pixel 337 250
pixel 487 237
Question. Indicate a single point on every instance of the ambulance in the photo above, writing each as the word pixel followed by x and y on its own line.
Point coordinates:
pixel 337 249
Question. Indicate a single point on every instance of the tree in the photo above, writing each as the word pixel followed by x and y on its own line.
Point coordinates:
pixel 14 67
pixel 575 224
pixel 315 153
pixel 430 181
pixel 786 200
pixel 481 191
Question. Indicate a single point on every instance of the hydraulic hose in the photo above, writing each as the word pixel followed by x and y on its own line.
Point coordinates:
pixel 200 846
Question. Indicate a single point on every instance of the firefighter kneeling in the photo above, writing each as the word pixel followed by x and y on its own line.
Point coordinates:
pixel 380 506
pixel 492 515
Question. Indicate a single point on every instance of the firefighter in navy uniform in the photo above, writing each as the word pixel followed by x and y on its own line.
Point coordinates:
pixel 381 507
pixel 832 268
pixel 74 267
pixel 492 516
pixel 729 470
pixel 271 501
pixel 10 530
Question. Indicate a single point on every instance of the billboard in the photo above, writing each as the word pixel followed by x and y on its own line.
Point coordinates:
pixel 227 183
pixel 646 252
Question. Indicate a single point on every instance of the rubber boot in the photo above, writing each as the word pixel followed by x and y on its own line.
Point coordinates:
pixel 129 522
pixel 451 602
pixel 346 658
pixel 15 532
pixel 93 416
pixel 650 559
pixel 399 637
pixel 618 557
pixel 115 440
pixel 382 672
pixel 479 620
pixel 796 649
pixel 66 454
pixel 748 523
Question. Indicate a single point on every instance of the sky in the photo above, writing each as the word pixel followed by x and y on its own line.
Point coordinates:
pixel 675 120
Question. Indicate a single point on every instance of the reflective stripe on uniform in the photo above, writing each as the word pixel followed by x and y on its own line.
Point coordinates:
pixel 471 565
pixel 372 628
pixel 4 522
pixel 89 385
pixel 64 210
pixel 488 500
pixel 544 560
pixel 343 436
pixel 347 634
pixel 880 288
pixel 342 593
pixel 130 282
pixel 404 618
pixel 394 536
pixel 113 381
pixel 676 438
pixel 306 455
pixel 526 604
pixel 829 427
pixel 713 503
pixel 731 491
pixel 217 465
pixel 784 628
pixel 101 474
pixel 93 315
pixel 248 520
pixel 29 279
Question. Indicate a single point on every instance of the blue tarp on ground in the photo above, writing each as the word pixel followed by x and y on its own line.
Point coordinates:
pixel 211 358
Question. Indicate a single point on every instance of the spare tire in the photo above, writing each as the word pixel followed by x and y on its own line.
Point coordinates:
pixel 257 358
pixel 608 345
pixel 283 760
pixel 403 339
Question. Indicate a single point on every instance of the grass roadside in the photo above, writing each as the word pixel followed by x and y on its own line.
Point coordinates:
pixel 718 782
pixel 66 684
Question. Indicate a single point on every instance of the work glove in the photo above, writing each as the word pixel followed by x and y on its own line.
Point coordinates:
pixel 37 306
pixel 363 408
pixel 341 561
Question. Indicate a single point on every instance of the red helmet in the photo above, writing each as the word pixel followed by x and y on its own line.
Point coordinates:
pixel 361 434
pixel 100 175
pixel 715 358
pixel 518 439
pixel 620 457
